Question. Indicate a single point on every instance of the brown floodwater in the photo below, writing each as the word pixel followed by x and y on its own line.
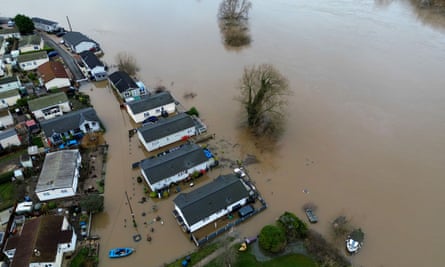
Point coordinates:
pixel 365 124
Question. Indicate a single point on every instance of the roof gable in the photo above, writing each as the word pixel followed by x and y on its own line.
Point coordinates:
pixel 150 102
pixel 162 167
pixel 166 127
pixel 47 101
pixel 210 198
pixel 122 81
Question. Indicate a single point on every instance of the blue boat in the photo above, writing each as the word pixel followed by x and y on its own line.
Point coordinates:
pixel 120 252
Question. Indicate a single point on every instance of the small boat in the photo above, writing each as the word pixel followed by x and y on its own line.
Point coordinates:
pixel 355 241
pixel 120 252
pixel 311 216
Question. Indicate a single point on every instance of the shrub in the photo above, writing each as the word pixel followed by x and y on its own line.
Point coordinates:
pixel 272 239
pixel 292 226
pixel 323 252
pixel 153 194
pixel 6 177
pixel 52 205
pixel 193 111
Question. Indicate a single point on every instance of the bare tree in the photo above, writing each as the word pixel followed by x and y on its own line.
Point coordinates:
pixel 264 92
pixel 234 9
pixel 127 63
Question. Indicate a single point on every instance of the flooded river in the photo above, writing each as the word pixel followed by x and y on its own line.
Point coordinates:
pixel 366 121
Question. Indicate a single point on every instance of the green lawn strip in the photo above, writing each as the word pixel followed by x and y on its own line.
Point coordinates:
pixel 7 195
pixel 13 155
pixel 290 260
pixel 196 256
pixel 82 259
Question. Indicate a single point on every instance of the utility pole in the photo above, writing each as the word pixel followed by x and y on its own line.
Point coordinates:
pixel 69 23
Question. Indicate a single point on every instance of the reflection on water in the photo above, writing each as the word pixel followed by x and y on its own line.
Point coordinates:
pixel 233 23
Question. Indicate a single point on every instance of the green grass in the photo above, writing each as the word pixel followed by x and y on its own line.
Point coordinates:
pixel 82 259
pixel 7 195
pixel 196 256
pixel 291 260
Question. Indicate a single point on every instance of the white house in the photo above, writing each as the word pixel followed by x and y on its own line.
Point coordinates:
pixel 96 69
pixel 12 32
pixel 9 98
pixel 32 61
pixel 167 131
pixel 59 176
pixel 10 83
pixel 49 106
pixel 204 205
pixel 9 138
pixel 151 105
pixel 6 118
pixel 40 241
pixel 79 43
pixel 45 25
pixel 125 85
pixel 160 172
pixel 53 75
pixel 28 43
pixel 73 125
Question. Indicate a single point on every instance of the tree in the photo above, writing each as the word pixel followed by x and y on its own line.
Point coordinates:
pixel 272 239
pixel 127 63
pixel 234 9
pixel 264 92
pixel 292 226
pixel 24 24
pixel 92 203
pixel 233 22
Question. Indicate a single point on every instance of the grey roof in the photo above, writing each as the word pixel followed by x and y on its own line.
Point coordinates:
pixel 33 39
pixel 75 38
pixel 9 93
pixel 43 21
pixel 162 167
pixel 32 56
pixel 46 101
pixel 8 80
pixel 58 170
pixel 91 59
pixel 211 198
pixel 166 127
pixel 69 121
pixel 150 102
pixel 7 133
pixel 122 81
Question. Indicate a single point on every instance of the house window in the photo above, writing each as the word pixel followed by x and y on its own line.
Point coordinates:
pixel 46 194
pixel 64 191
pixel 146 114
pixel 158 110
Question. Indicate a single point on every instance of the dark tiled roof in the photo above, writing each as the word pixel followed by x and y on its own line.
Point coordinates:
pixel 42 233
pixel 162 167
pixel 43 21
pixel 7 80
pixel 211 198
pixel 91 59
pixel 7 133
pixel 46 101
pixel 166 127
pixel 150 102
pixel 122 81
pixel 75 38
pixel 69 121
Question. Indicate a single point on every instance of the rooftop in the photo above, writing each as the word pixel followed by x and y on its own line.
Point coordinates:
pixel 33 39
pixel 150 102
pixel 51 70
pixel 47 101
pixel 58 170
pixel 122 81
pixel 69 121
pixel 166 127
pixel 32 56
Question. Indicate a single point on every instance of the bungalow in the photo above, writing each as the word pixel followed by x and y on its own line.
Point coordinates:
pixel 12 32
pixel 30 43
pixel 96 69
pixel 60 175
pixel 71 125
pixel 9 98
pixel 45 25
pixel 10 83
pixel 151 105
pixel 32 61
pixel 49 106
pixel 160 172
pixel 6 118
pixel 167 131
pixel 79 43
pixel 53 75
pixel 9 138
pixel 40 241
pixel 204 205
pixel 125 85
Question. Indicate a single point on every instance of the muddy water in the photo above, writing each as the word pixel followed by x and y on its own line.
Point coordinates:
pixel 365 122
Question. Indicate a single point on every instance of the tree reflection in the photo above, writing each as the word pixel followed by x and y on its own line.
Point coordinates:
pixel 233 22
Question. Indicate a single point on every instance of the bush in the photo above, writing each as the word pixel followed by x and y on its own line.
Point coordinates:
pixel 292 226
pixel 323 252
pixel 52 205
pixel 193 111
pixel 153 194
pixel 6 177
pixel 272 238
